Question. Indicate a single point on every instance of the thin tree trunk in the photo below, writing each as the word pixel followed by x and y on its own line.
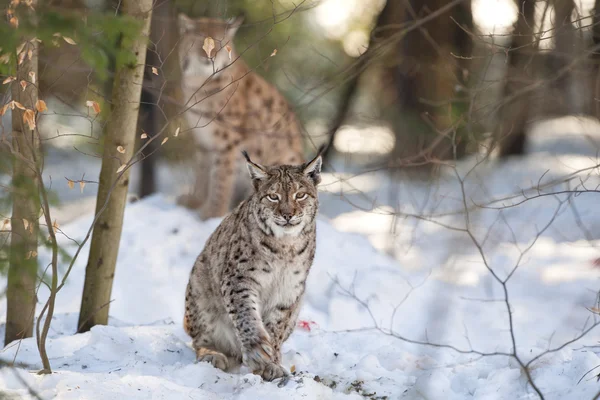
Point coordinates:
pixel 510 131
pixel 150 119
pixel 352 87
pixel 564 51
pixel 120 131
pixel 596 59
pixel 22 273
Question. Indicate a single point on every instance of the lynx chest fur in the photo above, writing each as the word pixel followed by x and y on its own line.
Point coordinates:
pixel 228 108
pixel 246 287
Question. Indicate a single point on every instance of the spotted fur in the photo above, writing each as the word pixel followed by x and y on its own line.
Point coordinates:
pixel 246 286
pixel 229 108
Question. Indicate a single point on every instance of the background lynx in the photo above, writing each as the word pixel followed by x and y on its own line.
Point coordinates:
pixel 245 289
pixel 229 108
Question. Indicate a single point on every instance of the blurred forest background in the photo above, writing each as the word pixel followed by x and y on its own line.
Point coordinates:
pixel 400 86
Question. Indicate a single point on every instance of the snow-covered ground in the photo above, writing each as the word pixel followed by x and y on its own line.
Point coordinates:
pixel 443 315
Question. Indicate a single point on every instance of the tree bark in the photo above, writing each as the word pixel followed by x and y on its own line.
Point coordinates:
pixel 432 64
pixel 120 131
pixel 596 59
pixel 564 51
pixel 22 273
pixel 150 119
pixel 510 132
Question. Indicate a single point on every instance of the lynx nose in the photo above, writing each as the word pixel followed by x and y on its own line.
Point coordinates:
pixel 287 216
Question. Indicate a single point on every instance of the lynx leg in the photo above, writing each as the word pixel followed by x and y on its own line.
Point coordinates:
pixel 280 323
pixel 221 184
pixel 199 193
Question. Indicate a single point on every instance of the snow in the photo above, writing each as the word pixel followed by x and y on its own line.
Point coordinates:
pixel 432 288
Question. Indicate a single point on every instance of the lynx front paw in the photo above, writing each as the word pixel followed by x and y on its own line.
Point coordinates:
pixel 272 371
pixel 258 354
pixel 218 360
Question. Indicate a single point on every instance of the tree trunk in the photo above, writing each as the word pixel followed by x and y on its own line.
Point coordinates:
pixel 596 59
pixel 120 131
pixel 150 119
pixel 352 87
pixel 510 131
pixel 22 273
pixel 426 80
pixel 564 52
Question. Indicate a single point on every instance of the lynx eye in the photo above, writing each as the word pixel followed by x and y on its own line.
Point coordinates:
pixel 301 196
pixel 273 197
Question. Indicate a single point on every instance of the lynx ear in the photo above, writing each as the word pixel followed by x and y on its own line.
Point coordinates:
pixel 312 169
pixel 257 171
pixel 184 23
pixel 233 24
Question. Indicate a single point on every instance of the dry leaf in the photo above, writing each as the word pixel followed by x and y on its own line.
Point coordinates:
pixel 209 45
pixel 154 71
pixel 69 40
pixel 57 34
pixel 94 105
pixel 28 255
pixel 40 105
pixel 70 183
pixel 144 136
pixel 228 48
pixel 14 21
pixel 5 58
pixel 16 104
pixel 21 47
pixel 33 253
pixel 274 53
pixel 29 54
pixel 21 58
pixel 164 141
pixel 8 80
pixel 32 76
pixel 121 149
pixel 55 226
pixel 293 369
pixel 29 118
pixel 14 3
pixel 177 131
pixel 3 110
pixel 26 224
pixel 81 185
pixel 121 168
pixel 23 85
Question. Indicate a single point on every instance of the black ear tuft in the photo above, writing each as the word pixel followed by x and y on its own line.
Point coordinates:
pixel 257 171
pixel 312 169
pixel 246 156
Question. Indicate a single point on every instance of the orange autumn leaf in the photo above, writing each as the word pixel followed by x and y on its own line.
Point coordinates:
pixel 40 105
pixel 94 105
pixel 29 118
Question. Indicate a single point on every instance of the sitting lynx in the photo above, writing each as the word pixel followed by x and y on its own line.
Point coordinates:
pixel 229 108
pixel 245 289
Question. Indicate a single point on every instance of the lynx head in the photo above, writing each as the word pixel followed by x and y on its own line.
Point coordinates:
pixel 286 195
pixel 192 56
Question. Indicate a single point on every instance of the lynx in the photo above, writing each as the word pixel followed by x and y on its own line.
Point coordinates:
pixel 244 293
pixel 229 107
